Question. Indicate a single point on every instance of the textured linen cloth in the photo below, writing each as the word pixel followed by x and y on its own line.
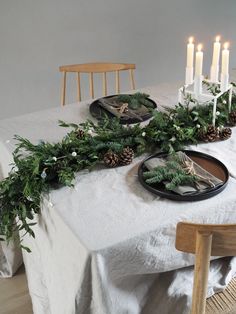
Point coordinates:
pixel 107 246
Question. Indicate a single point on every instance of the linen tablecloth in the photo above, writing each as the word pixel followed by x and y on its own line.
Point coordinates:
pixel 105 245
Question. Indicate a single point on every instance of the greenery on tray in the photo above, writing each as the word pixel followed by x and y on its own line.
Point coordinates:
pixel 40 167
pixel 135 101
pixel 173 172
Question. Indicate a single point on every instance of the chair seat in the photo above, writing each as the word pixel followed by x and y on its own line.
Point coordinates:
pixel 223 302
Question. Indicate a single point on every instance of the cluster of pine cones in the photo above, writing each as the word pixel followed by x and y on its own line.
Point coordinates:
pixel 112 159
pixel 212 134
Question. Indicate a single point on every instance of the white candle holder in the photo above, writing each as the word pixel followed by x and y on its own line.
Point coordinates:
pixel 214 73
pixel 198 86
pixel 189 75
pixel 224 82
pixel 195 90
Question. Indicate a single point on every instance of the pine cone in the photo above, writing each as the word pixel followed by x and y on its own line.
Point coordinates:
pixel 111 159
pixel 232 118
pixel 202 135
pixel 225 133
pixel 126 156
pixel 79 133
pixel 210 135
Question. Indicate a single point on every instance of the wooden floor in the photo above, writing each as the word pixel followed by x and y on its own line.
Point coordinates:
pixel 14 296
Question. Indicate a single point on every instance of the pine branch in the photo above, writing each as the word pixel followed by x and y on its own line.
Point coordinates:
pixel 172 172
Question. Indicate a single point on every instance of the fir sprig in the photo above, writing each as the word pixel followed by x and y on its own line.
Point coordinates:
pixel 172 172
pixel 136 100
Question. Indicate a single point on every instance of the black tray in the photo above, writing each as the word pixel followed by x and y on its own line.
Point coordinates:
pixel 99 113
pixel 211 164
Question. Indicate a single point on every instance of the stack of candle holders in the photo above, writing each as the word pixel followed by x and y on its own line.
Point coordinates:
pixel 206 96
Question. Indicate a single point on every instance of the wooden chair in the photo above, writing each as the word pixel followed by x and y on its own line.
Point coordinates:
pixel 92 68
pixel 204 241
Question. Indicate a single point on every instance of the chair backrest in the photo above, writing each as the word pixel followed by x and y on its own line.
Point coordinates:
pixel 223 238
pixel 205 241
pixel 92 68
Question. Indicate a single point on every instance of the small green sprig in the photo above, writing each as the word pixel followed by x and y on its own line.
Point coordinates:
pixel 136 100
pixel 172 172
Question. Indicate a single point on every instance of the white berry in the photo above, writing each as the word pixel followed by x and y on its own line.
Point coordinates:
pixel 43 175
pixel 74 154
pixel 217 113
pixel 144 134
pixel 198 126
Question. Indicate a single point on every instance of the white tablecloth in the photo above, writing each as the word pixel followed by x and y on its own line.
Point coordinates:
pixel 101 247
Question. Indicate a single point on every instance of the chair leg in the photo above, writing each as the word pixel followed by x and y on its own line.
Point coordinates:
pixel 117 82
pixel 131 74
pixel 79 87
pixel 201 269
pixel 91 87
pixel 63 90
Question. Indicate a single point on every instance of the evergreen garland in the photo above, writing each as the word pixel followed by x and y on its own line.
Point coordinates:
pixel 39 168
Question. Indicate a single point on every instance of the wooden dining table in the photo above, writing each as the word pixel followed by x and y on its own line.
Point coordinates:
pixel 102 246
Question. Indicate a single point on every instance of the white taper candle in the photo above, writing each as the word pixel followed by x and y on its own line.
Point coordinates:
pixel 199 61
pixel 225 68
pixel 214 77
pixel 225 59
pixel 216 52
pixel 190 52
pixel 189 65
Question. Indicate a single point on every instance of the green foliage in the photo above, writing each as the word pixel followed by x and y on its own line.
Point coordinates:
pixel 136 100
pixel 172 172
pixel 39 168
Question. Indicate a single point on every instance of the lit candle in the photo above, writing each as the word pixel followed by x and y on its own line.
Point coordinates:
pixel 189 66
pixel 225 59
pixel 190 52
pixel 199 61
pixel 216 52
pixel 215 60
pixel 225 68
pixel 198 72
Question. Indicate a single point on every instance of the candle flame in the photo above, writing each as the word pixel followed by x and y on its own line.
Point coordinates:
pixel 199 47
pixel 217 38
pixel 226 45
pixel 190 40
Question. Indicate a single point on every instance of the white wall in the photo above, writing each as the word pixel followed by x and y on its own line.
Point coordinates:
pixel 36 36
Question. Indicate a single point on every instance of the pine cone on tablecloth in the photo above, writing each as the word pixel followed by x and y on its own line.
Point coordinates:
pixel 126 156
pixel 225 133
pixel 111 159
pixel 232 118
pixel 79 133
pixel 210 135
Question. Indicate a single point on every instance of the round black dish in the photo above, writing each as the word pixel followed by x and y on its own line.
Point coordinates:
pixel 159 189
pixel 99 113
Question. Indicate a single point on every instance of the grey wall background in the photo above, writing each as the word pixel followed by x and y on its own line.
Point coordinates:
pixel 38 36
